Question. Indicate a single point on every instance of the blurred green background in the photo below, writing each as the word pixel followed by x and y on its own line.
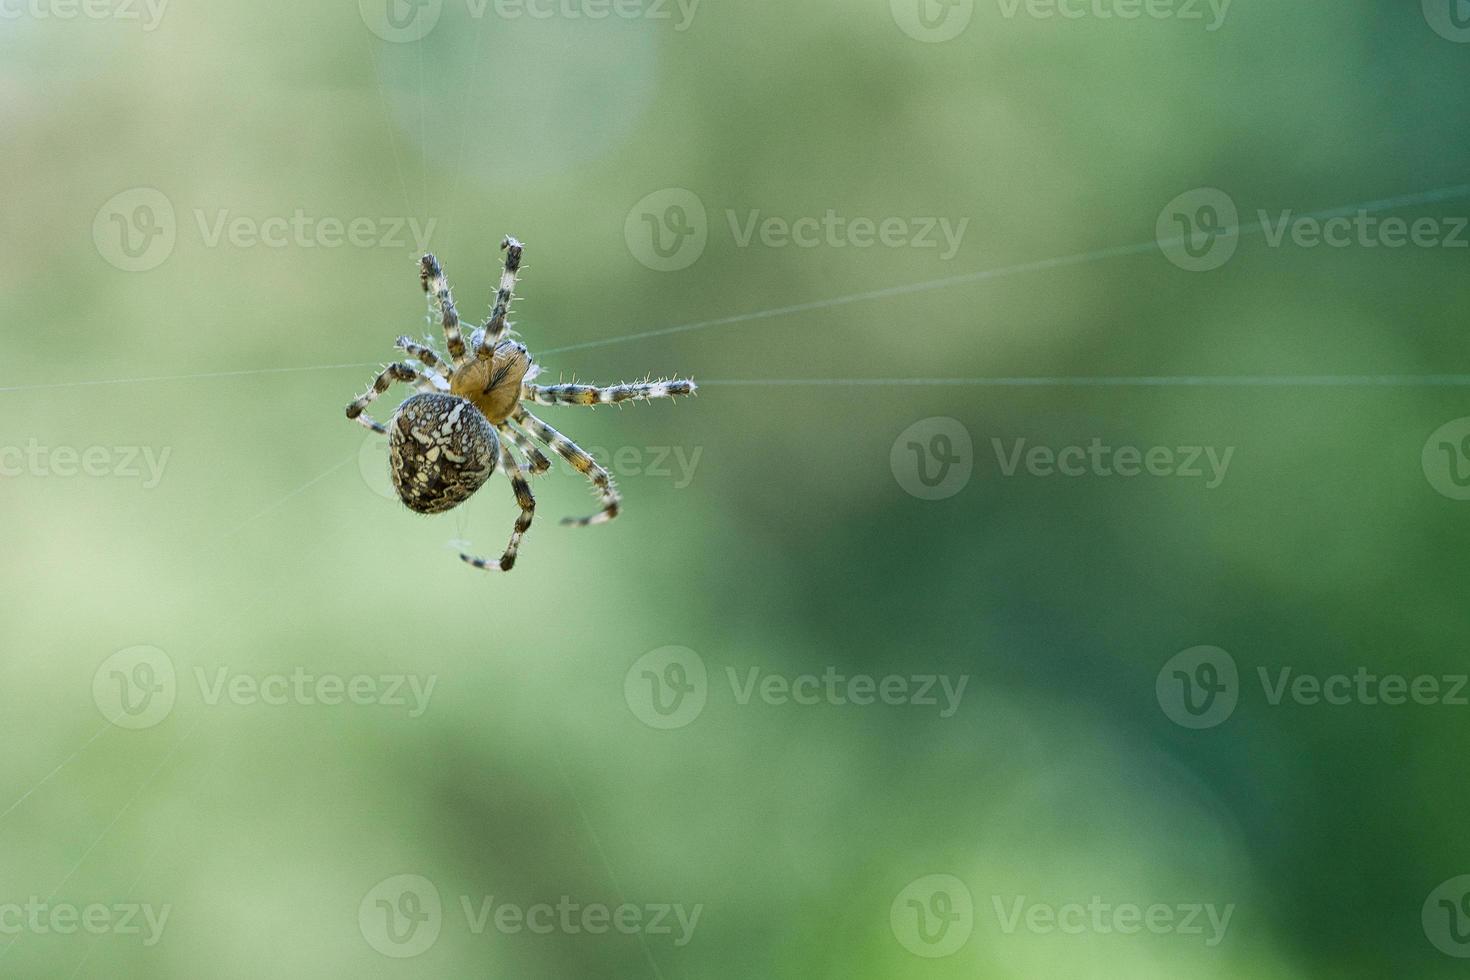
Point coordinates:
pixel 178 285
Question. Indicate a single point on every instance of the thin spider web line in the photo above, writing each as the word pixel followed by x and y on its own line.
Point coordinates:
pixel 1137 381
pixel 1444 194
pixel 147 864
pixel 388 116
pixel 281 502
pixel 177 744
pixel 1454 192
pixel 173 750
pixel 47 778
pixel 206 375
pixel 131 890
pixel 602 855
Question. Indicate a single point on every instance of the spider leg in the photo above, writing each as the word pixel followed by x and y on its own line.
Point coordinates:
pixel 423 354
pixel 539 462
pixel 495 326
pixel 584 464
pixel 392 373
pixel 592 395
pixel 519 482
pixel 431 275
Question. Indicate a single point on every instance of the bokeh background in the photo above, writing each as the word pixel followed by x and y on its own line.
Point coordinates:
pixel 210 228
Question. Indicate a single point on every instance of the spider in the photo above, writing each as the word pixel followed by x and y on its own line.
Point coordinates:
pixel 443 442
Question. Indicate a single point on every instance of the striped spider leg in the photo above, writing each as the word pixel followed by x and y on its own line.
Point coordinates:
pixel 425 355
pixel 431 276
pixel 582 461
pixel 495 326
pixel 393 372
pixel 575 394
pixel 538 462
pixel 520 482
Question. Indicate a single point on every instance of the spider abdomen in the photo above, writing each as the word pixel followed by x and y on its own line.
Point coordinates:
pixel 441 449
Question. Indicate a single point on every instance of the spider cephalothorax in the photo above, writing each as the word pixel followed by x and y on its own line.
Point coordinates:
pixel 443 442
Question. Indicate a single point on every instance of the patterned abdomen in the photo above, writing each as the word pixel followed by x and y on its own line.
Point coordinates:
pixel 441 450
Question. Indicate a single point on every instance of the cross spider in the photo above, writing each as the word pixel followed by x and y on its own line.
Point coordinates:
pixel 442 441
